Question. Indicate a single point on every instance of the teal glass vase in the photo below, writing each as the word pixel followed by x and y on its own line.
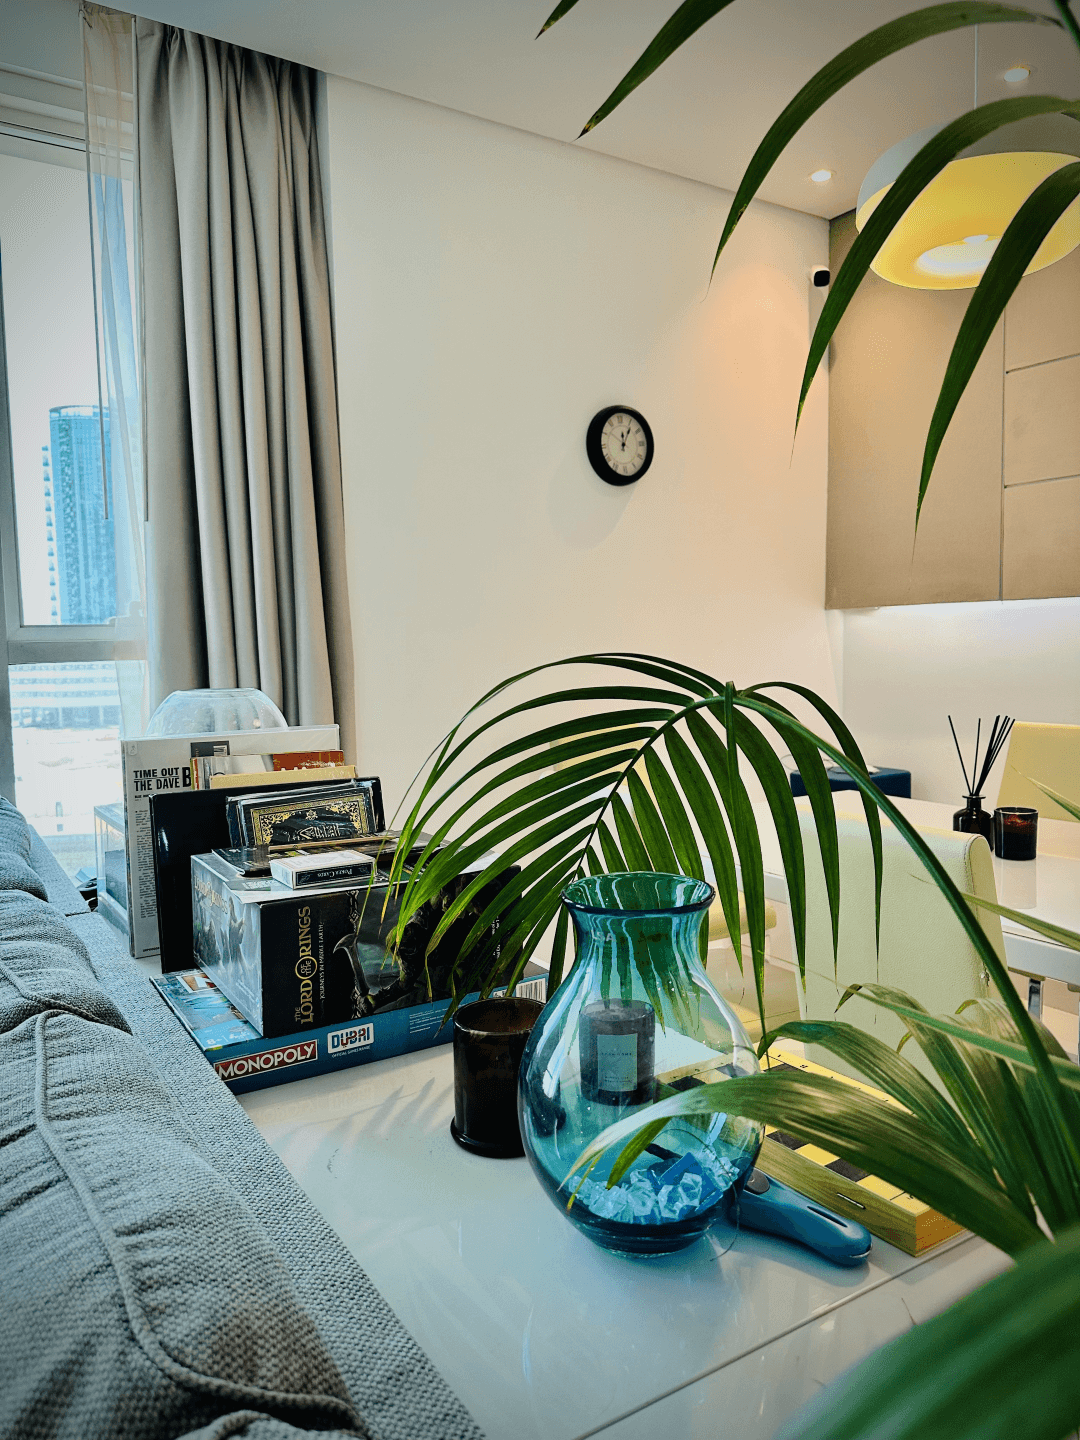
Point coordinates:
pixel 636 1020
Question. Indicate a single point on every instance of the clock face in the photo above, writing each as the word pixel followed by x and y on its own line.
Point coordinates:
pixel 619 445
pixel 622 444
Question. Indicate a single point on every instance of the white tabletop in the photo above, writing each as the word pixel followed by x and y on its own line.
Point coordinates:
pixel 543 1335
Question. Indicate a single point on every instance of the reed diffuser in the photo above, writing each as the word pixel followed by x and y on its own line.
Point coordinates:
pixel 973 819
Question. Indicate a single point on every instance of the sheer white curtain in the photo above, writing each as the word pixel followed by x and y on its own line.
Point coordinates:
pixel 245 526
pixel 109 58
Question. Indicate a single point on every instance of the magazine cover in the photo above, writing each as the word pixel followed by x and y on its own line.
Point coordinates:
pixel 161 764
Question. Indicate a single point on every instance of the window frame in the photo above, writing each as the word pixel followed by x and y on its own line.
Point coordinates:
pixel 34 644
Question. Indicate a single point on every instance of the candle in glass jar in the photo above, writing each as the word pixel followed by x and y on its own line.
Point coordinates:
pixel 617 1040
pixel 1016 830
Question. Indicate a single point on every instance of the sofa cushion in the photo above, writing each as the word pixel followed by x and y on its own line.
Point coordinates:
pixel 16 872
pixel 141 1296
pixel 45 966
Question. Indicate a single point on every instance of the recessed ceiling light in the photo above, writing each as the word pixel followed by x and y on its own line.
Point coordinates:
pixel 1017 74
pixel 820 176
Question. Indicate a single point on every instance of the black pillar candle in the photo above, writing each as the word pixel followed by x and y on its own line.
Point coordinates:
pixel 617 1040
pixel 1016 832
pixel 489 1040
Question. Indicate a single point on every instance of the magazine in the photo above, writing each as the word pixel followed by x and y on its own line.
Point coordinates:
pixel 157 764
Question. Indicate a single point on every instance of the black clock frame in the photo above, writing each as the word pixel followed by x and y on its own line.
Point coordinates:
pixel 596 454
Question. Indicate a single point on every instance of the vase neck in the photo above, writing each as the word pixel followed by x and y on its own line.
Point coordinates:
pixel 658 943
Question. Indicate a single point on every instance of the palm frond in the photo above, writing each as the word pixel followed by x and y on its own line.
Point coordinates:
pixel 653 779
pixel 523 797
pixel 1023 235
pixel 924 166
pixel 1069 805
pixel 1001 1364
pixel 878 45
pixel 869 1133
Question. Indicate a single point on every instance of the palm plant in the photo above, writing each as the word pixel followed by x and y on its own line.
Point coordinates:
pixel 996 1148
pixel 1023 236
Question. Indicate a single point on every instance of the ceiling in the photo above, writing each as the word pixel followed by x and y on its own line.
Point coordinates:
pixel 701 115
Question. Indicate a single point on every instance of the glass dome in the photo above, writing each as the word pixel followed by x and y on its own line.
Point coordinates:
pixel 636 1021
pixel 206 712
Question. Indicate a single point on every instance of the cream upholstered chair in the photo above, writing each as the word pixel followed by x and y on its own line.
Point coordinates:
pixel 1049 754
pixel 923 949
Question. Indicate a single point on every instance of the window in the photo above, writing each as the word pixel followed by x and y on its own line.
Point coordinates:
pixel 59 758
pixel 59 432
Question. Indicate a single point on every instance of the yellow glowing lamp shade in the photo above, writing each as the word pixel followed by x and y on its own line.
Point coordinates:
pixel 947 236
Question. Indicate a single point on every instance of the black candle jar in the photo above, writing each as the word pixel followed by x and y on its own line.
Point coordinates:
pixel 616 1041
pixel 1016 832
pixel 489 1039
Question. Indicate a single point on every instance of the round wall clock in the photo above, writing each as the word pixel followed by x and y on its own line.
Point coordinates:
pixel 619 445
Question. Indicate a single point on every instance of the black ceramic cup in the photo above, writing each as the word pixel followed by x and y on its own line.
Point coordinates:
pixel 489 1040
pixel 1016 832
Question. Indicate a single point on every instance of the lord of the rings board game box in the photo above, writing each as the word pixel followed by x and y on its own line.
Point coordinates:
pixel 294 960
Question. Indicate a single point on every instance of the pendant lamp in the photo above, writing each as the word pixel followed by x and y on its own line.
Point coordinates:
pixel 946 237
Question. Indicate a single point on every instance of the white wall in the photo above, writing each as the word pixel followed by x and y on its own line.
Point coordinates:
pixel 42 35
pixel 493 291
pixel 905 668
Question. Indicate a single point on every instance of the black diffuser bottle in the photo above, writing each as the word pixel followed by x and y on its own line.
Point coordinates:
pixel 973 819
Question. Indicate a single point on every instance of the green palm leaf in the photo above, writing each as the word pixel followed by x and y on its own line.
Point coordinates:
pixel 1070 805
pixel 1016 249
pixel 877 45
pixel 854 755
pixel 556 14
pixel 686 21
pixel 1001 1364
pixel 511 800
pixel 890 1072
pixel 710 820
pixel 935 155
pixel 864 1130
pixel 1058 933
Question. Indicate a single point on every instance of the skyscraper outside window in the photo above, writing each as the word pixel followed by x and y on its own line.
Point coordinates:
pixel 75 512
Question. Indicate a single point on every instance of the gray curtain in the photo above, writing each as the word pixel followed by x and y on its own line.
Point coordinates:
pixel 245 536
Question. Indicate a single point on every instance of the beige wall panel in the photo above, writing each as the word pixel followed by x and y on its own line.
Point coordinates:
pixel 887 362
pixel 1043 320
pixel 1042 540
pixel 1042 422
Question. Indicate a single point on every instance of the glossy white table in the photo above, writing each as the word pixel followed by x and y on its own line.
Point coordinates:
pixel 543 1335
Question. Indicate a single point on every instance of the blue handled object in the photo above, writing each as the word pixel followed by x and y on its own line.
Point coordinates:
pixel 766 1204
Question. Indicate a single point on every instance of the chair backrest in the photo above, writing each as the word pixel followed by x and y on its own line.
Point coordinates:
pixel 1049 754
pixel 923 951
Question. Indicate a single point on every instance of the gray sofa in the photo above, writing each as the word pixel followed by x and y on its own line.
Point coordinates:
pixel 162 1274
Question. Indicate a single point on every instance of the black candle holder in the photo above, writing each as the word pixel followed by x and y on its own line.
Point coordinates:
pixel 489 1040
pixel 1016 832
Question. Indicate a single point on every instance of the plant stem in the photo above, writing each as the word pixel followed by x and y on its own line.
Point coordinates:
pixel 1065 11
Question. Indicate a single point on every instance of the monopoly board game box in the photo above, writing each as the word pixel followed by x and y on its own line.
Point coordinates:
pixel 296 960
pixel 245 1060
